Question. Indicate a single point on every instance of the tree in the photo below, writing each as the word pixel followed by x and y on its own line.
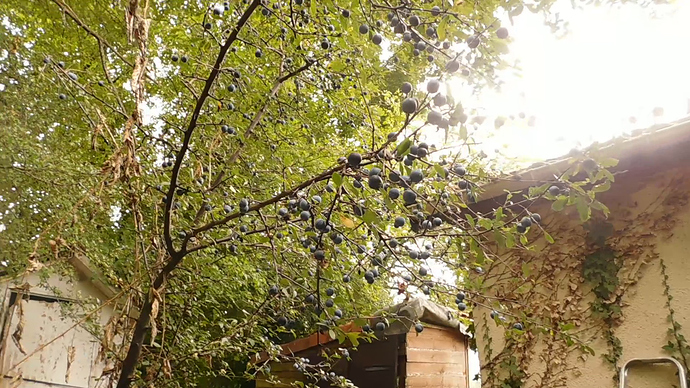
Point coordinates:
pixel 235 167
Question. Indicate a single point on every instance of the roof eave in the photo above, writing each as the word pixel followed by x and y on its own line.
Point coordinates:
pixel 673 135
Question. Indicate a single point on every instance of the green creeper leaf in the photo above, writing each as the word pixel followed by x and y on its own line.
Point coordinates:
pixel 548 237
pixel 668 348
pixel 567 326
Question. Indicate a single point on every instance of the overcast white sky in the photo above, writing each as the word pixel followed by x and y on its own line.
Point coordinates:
pixel 615 63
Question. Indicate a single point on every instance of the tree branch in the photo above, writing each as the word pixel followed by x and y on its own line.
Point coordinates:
pixel 68 11
pixel 323 176
pixel 193 123
pixel 136 344
pixel 260 114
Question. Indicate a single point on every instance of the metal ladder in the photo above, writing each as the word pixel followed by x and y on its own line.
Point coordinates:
pixel 658 360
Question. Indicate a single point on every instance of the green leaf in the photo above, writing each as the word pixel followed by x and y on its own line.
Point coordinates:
pixel 510 240
pixel 540 190
pixel 500 239
pixel 567 326
pixel 498 214
pixel 548 237
pixel 600 206
pixel 609 176
pixel 337 179
pixel 403 147
pixel 559 203
pixel 470 219
pixel 346 183
pixel 354 338
pixel 337 65
pixel 440 170
pixel 600 188
pixel 369 217
pixel 485 223
pixel 583 209
pixel 463 132
pixel 608 162
pixel 523 239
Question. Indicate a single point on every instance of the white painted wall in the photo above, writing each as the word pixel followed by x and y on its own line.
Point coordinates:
pixel 72 360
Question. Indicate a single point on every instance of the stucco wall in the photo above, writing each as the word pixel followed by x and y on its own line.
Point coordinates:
pixel 651 224
pixel 46 345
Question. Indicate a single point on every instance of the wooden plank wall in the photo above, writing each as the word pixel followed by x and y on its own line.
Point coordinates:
pixel 285 372
pixel 437 358
pixel 373 365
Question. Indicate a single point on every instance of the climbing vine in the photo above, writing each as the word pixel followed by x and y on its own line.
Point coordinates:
pixel 570 295
pixel 600 269
pixel 677 345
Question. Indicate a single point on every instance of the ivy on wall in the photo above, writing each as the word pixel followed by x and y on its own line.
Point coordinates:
pixel 600 270
pixel 677 345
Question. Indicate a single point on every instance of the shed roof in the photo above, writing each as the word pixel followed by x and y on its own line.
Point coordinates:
pixel 406 313
pixel 85 272
pixel 644 142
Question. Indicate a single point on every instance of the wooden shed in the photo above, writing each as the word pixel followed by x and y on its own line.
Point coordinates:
pixel 399 358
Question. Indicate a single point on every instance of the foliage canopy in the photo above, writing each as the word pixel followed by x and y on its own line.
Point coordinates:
pixel 202 156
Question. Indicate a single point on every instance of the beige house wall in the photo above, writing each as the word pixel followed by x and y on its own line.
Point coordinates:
pixel 651 224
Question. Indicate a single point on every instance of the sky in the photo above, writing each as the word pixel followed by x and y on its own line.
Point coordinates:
pixel 613 64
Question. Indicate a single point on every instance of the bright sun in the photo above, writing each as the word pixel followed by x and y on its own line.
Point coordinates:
pixel 614 64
